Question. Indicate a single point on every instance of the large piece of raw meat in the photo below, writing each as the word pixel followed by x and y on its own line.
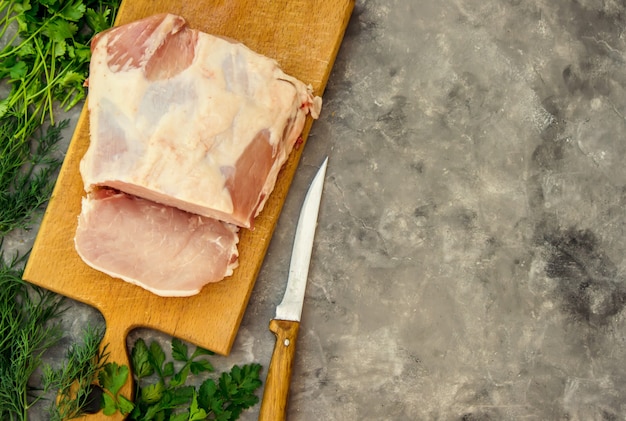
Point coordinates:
pixel 188 133
pixel 190 120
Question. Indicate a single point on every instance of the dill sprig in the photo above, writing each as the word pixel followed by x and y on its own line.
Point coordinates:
pixel 26 332
pixel 44 61
pixel 27 174
pixel 75 380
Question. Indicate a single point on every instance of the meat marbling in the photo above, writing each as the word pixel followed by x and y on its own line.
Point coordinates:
pixel 188 132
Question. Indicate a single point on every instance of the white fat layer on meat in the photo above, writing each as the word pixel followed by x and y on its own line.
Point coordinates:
pixel 184 132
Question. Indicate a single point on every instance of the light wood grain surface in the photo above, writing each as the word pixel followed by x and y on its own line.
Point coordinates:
pixel 304 37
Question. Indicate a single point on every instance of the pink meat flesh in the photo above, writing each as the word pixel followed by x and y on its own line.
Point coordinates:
pixel 160 248
pixel 188 133
pixel 190 120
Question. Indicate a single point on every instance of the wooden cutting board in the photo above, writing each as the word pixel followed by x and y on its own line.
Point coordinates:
pixel 304 37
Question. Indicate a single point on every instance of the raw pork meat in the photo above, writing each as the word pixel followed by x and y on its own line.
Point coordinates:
pixel 190 120
pixel 188 134
pixel 160 248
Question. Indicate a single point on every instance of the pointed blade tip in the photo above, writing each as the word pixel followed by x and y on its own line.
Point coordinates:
pixel 290 308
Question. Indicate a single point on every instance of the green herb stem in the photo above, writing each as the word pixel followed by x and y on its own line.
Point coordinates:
pixel 43 63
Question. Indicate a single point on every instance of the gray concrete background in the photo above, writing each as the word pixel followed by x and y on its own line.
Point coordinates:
pixel 469 259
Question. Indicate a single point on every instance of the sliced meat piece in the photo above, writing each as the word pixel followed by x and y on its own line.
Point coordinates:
pixel 163 249
pixel 190 120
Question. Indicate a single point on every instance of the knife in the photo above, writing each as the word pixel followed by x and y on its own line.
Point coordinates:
pixel 287 321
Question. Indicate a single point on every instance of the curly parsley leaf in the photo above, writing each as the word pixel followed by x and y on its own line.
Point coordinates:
pixel 169 399
pixel 179 350
pixel 73 11
pixel 111 378
pixel 140 357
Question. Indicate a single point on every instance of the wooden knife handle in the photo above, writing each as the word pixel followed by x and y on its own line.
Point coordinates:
pixel 274 404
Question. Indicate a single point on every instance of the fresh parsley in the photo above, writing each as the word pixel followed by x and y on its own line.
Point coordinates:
pixel 111 378
pixel 162 393
pixel 44 63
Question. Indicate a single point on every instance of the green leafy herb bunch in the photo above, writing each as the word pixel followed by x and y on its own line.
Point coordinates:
pixel 162 393
pixel 44 62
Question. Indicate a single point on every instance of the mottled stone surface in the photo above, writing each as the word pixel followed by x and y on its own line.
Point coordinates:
pixel 469 259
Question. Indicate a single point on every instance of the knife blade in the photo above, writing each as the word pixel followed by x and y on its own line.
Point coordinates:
pixel 286 323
